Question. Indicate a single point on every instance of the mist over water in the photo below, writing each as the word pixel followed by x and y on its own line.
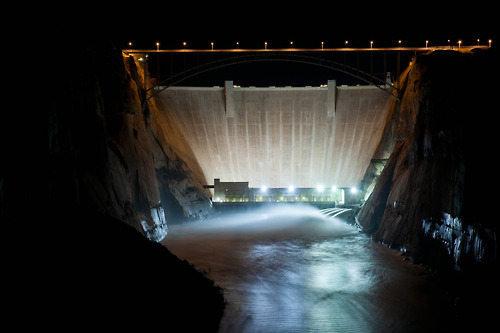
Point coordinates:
pixel 285 221
pixel 290 269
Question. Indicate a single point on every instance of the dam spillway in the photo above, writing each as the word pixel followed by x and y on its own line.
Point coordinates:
pixel 279 137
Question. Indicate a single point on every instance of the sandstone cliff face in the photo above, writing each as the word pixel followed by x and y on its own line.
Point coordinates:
pixel 110 161
pixel 430 192
pixel 109 153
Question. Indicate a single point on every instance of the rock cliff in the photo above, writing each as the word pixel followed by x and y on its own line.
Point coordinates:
pixel 114 159
pixel 431 199
pixel 112 152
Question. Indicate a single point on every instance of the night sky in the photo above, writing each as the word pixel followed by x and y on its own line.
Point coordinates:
pixel 307 25
pixel 253 23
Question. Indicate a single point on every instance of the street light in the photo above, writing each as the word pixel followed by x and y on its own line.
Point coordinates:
pixel 489 42
pixel 291 44
pixel 129 44
pixel 399 42
pixel 478 42
pixel 184 44
pixel 237 45
pixel 212 45
pixel 265 45
pixel 346 43
pixel 459 43
pixel 322 44
pixel 158 46
pixel 426 43
pixel 371 44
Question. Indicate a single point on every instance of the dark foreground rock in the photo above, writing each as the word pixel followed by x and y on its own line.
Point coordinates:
pixel 118 277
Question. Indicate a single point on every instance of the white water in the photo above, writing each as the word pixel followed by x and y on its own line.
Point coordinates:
pixel 293 270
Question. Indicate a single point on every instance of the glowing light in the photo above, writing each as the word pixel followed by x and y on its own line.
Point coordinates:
pixel 263 188
pixel 354 190
pixel 334 188
pixel 320 188
pixel 291 188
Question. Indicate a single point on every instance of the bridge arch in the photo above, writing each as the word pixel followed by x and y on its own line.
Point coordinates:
pixel 267 57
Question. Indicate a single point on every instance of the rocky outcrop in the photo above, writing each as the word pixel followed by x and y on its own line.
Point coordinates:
pixel 439 139
pixel 112 169
pixel 110 152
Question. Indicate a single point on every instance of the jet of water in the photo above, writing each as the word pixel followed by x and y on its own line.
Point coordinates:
pixel 270 221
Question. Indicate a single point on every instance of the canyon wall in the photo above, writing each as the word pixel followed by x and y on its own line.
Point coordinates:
pixel 113 168
pixel 431 199
pixel 109 152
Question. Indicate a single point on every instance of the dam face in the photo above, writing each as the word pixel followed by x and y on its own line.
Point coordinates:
pixel 280 137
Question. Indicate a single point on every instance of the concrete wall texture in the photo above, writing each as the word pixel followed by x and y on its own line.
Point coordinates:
pixel 279 137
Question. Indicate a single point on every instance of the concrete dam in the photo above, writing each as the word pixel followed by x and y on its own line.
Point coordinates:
pixel 280 137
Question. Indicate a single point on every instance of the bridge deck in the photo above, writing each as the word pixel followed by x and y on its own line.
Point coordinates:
pixel 343 49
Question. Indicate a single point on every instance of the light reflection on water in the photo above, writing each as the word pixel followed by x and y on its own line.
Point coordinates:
pixel 295 271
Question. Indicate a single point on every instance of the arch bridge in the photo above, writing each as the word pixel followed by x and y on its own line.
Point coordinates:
pixel 366 66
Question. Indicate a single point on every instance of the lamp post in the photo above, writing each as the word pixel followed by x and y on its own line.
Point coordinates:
pixel 346 43
pixel 265 45
pixel 426 43
pixel 322 45
pixel 371 44
pixel 459 43
pixel 489 42
pixel 158 63
pixel 212 45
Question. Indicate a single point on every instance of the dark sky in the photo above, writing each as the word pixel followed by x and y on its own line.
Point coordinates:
pixel 306 23
pixel 309 23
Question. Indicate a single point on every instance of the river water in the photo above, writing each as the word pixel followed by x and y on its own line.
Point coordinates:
pixel 293 270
